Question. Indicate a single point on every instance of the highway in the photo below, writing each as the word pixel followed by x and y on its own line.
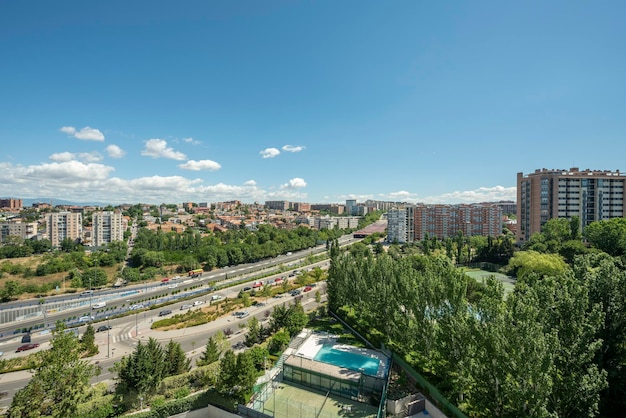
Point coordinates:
pixel 125 331
pixel 129 328
pixel 118 300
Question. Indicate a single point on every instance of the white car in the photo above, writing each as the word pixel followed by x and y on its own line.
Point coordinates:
pixel 198 303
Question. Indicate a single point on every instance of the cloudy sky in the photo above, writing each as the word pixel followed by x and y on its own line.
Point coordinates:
pixel 152 101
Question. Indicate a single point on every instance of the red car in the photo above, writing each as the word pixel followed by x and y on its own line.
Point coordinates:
pixel 306 289
pixel 26 347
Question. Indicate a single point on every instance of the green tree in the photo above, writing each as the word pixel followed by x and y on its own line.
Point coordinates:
pixel 211 354
pixel 175 360
pixel 227 378
pixel 60 382
pixel 575 322
pixel 608 235
pixel 525 263
pixel 254 332
pixel 606 280
pixel 259 355
pixel 11 290
pixel 246 372
pixel 278 342
pixel 140 373
pixel 88 341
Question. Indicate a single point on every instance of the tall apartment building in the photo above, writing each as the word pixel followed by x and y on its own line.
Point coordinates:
pixel 24 230
pixel 277 204
pixel 398 224
pixel 108 226
pixel 591 195
pixel 412 222
pixel 302 207
pixel 62 225
pixel 12 204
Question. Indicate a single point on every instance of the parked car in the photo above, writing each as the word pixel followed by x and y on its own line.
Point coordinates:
pixel 308 288
pixel 247 288
pixel 165 312
pixel 295 292
pixel 102 328
pixel 26 347
pixel 198 303
pixel 186 306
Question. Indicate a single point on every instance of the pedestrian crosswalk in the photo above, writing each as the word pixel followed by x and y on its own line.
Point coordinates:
pixel 120 337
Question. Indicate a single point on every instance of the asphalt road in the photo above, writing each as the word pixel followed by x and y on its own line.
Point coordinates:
pixel 142 291
pixel 125 332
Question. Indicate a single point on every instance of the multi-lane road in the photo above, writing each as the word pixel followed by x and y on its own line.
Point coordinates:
pixel 126 330
pixel 18 315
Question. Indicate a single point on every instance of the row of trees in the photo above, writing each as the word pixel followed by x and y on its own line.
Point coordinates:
pixel 553 347
pixel 191 250
pixel 140 373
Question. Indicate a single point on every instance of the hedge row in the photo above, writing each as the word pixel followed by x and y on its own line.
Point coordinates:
pixel 190 403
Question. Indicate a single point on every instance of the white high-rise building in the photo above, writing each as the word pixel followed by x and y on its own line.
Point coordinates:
pixel 398 225
pixel 108 227
pixel 62 225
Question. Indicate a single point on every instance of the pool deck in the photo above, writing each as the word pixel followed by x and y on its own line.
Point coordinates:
pixel 323 368
pixel 313 344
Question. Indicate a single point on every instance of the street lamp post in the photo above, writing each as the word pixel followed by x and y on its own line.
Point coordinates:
pixel 108 337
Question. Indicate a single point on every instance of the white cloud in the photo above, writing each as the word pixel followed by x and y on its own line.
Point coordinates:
pixel 191 141
pixel 294 183
pixel 157 148
pixel 68 130
pixel 269 152
pixel 85 183
pixel 351 196
pixel 87 133
pixel 293 148
pixel 87 157
pixel 482 194
pixel 200 165
pixel 115 152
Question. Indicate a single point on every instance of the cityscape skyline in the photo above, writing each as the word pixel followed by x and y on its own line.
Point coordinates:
pixel 306 102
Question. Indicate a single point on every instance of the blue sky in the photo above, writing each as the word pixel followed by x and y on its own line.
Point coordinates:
pixel 313 101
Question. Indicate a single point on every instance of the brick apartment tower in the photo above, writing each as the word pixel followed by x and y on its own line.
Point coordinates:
pixel 545 194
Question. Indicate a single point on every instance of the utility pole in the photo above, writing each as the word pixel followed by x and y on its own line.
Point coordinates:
pixel 108 338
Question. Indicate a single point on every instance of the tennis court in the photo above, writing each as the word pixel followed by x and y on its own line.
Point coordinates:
pixel 482 275
pixel 288 400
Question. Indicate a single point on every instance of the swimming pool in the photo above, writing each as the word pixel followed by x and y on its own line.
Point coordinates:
pixel 348 360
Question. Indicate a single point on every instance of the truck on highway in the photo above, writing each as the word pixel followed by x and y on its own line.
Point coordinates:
pixel 195 272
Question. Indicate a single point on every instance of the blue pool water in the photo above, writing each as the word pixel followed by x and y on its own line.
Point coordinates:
pixel 348 360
